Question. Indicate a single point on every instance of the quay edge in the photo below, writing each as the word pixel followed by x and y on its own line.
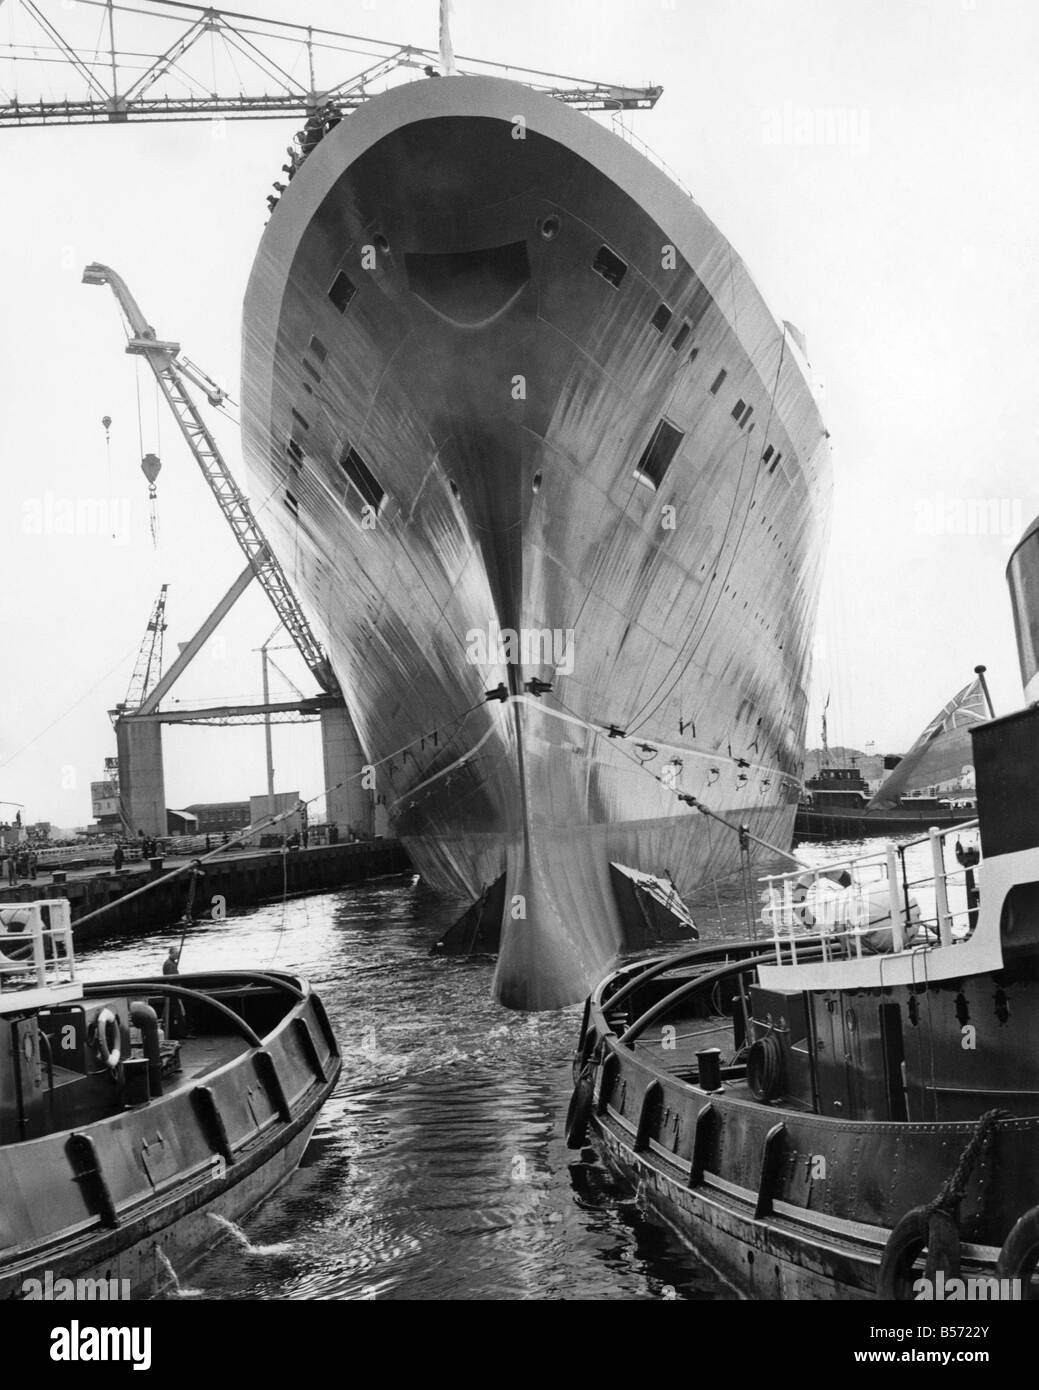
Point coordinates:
pixel 242 880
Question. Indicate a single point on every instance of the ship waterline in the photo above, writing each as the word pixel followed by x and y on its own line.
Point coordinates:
pixel 501 376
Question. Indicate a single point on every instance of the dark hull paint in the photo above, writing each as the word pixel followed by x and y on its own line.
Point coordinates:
pixel 521 510
pixel 835 825
pixel 168 1212
pixel 733 1176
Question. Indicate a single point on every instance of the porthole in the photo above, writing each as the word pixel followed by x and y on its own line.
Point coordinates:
pixel 536 484
pixel 550 227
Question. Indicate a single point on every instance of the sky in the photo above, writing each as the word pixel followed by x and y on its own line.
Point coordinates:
pixel 873 161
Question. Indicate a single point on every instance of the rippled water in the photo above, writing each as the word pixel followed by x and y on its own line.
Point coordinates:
pixel 438 1168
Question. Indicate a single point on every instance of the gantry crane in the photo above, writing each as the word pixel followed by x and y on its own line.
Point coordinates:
pixel 165 60
pixel 172 372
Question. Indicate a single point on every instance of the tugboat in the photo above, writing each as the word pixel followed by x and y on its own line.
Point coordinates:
pixel 132 1112
pixel 932 785
pixel 849 1106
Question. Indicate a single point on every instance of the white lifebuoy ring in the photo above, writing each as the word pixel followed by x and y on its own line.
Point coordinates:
pixel 108 1047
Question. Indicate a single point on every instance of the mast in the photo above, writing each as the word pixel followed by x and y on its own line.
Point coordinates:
pixel 826 746
pixel 980 673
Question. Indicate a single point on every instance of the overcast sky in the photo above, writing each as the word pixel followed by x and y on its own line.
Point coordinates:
pixel 873 161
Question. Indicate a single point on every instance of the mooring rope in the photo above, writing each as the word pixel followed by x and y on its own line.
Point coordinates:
pixel 268 821
pixel 954 1188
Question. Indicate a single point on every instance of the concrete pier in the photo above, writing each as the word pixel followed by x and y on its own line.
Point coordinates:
pixel 143 788
pixel 240 879
pixel 349 805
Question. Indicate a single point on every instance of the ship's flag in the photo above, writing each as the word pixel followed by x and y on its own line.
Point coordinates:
pixel 447 52
pixel 942 757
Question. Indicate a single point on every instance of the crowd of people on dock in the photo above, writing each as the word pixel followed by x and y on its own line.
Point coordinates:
pixel 19 864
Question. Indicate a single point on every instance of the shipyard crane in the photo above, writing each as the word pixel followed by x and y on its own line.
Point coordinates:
pixel 172 372
pixel 163 60
pixel 148 666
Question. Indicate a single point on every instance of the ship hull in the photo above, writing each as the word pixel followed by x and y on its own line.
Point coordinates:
pixel 849 825
pixel 476 326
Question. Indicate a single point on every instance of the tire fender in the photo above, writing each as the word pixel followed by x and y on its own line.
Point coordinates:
pixel 920 1229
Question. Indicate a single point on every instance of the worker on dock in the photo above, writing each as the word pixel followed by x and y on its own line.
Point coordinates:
pixel 117 857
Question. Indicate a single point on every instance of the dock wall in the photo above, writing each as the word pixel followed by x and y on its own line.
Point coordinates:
pixel 240 879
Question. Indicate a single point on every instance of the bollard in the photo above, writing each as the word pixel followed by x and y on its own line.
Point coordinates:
pixel 136 1089
pixel 709 1062
pixel 155 864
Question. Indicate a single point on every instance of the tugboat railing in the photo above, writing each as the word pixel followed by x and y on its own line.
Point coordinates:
pixel 36 947
pixel 871 904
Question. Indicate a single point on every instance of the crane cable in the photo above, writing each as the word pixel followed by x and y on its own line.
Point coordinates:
pixel 153 509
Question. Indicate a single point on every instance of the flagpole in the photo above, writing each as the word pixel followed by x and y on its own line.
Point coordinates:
pixel 979 671
pixel 447 52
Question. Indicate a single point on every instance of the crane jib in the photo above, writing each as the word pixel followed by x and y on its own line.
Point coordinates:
pixel 161 356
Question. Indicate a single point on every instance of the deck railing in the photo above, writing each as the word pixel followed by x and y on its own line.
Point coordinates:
pixel 36 945
pixel 629 137
pixel 873 904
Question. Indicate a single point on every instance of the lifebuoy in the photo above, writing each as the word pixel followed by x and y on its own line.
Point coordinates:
pixel 109 1038
pixel 15 942
pixel 920 1229
pixel 1020 1253
pixel 580 1108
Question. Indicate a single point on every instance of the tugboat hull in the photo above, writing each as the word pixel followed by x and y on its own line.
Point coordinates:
pixel 131 1196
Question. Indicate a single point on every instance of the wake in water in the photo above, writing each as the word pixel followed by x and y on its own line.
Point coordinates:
pixel 245 1245
pixel 173 1287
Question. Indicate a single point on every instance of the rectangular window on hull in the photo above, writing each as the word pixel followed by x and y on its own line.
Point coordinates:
pixel 680 337
pixel 609 266
pixel 661 318
pixel 775 463
pixel 342 291
pixel 300 420
pixel 318 348
pixel 292 503
pixel 365 489
pixel 309 367
pixel 716 385
pixel 658 453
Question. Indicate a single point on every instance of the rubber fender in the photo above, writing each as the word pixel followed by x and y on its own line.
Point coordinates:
pixel 920 1229
pixel 1020 1252
pixel 579 1110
